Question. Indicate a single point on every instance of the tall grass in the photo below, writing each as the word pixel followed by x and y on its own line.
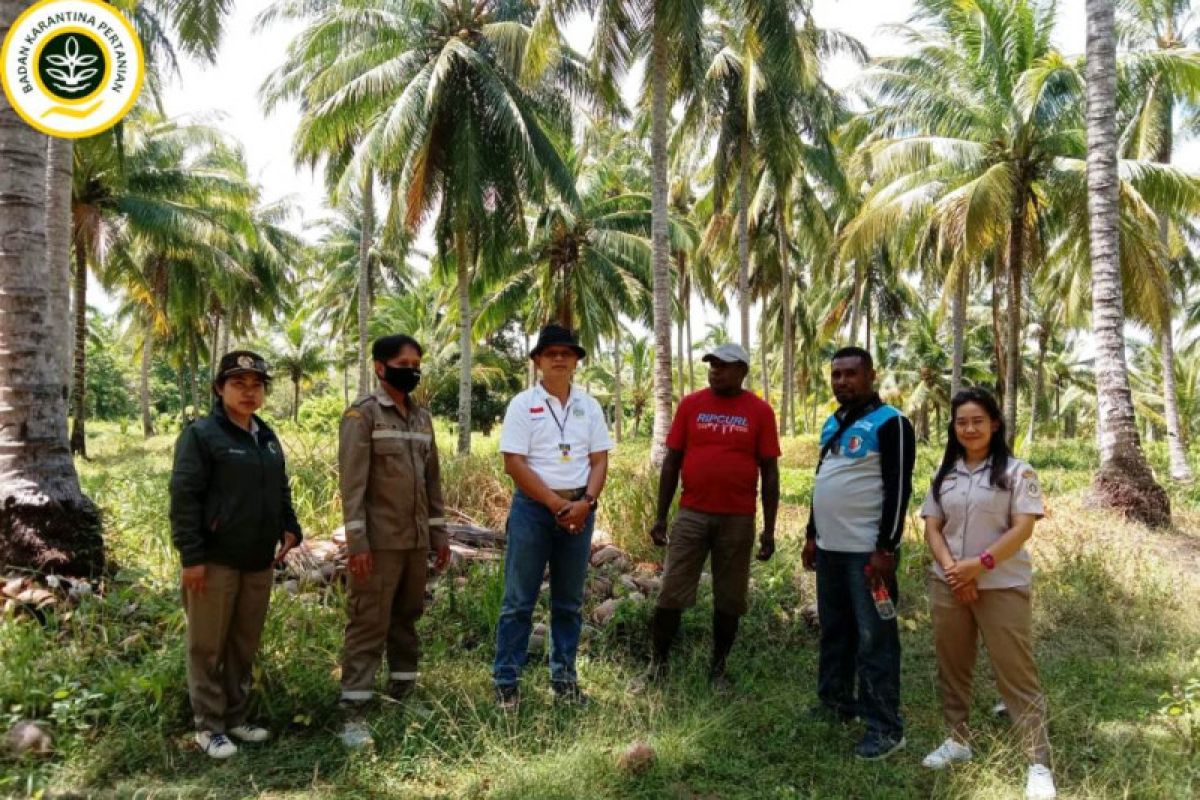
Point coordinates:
pixel 1115 627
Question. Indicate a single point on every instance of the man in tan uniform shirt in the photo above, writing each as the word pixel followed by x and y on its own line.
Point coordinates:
pixel 391 491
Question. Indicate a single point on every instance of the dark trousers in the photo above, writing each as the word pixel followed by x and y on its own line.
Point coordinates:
pixel 856 643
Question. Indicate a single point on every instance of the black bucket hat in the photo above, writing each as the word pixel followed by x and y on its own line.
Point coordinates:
pixel 240 362
pixel 556 335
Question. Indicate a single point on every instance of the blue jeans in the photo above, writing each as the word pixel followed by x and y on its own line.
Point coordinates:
pixel 535 540
pixel 856 642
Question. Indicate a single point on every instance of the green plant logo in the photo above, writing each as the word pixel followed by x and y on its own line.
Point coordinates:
pixel 72 68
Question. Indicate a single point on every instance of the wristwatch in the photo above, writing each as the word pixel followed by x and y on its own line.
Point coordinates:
pixel 987 560
pixel 591 501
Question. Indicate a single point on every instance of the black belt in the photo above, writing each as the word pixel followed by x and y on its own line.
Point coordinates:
pixel 571 494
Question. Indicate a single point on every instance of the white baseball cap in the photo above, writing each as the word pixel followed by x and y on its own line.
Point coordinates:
pixel 729 353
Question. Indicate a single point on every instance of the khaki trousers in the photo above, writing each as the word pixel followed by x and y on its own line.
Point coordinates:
pixel 224 625
pixel 383 612
pixel 696 534
pixel 1004 617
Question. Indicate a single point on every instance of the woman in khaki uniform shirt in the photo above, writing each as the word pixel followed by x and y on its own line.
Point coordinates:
pixel 979 513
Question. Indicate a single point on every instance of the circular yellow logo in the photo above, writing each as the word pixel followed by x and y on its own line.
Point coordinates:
pixel 72 68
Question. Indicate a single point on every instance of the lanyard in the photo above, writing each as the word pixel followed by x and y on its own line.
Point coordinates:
pixel 562 426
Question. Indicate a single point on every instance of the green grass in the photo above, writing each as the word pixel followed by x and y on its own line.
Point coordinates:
pixel 1116 628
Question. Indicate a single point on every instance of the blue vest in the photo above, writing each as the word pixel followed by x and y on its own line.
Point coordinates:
pixel 861 438
pixel 848 494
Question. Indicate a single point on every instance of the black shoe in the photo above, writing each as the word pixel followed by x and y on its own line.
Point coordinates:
pixel 569 693
pixel 719 681
pixel 877 746
pixel 830 715
pixel 400 690
pixel 508 697
pixel 654 676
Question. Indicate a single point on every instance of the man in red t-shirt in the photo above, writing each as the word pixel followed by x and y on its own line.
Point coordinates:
pixel 721 439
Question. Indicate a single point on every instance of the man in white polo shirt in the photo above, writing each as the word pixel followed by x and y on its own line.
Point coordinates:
pixel 555 444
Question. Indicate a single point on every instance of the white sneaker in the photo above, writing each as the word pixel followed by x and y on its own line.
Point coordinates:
pixel 948 752
pixel 215 745
pixel 356 736
pixel 1040 783
pixel 250 733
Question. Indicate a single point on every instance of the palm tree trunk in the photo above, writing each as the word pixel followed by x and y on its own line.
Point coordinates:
pixel 785 298
pixel 1012 339
pixel 1181 471
pixel 364 282
pixel 691 383
pixel 618 408
pixel 682 299
pixel 295 398
pixel 78 389
pixel 762 352
pixel 463 259
pixel 194 373
pixel 855 306
pixel 998 356
pixel 564 302
pixel 48 524
pixel 743 234
pixel 60 155
pixel 144 380
pixel 1124 481
pixel 214 355
pixel 958 315
pixel 1039 384
pixel 660 246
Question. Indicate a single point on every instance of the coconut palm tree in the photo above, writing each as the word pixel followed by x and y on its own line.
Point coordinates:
pixel 435 97
pixel 1124 481
pixel 302 354
pixel 48 523
pixel 1166 73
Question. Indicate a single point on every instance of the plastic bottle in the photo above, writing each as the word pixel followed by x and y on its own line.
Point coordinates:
pixel 883 602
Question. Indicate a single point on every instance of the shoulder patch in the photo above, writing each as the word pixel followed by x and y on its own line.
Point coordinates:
pixel 351 413
pixel 1028 474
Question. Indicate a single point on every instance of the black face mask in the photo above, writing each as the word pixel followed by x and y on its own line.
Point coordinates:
pixel 402 379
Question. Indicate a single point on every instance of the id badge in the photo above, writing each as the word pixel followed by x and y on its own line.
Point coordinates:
pixel 564 450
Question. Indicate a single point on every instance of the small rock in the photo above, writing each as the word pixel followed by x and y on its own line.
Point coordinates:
pixel 81 589
pixel 36 597
pixel 537 639
pixel 637 758
pixel 604 612
pixel 636 597
pixel 28 738
pixel 648 586
pixel 328 571
pixel 314 577
pixel 292 586
pixel 600 587
pixel 628 582
pixel 600 539
pixel 54 582
pixel 609 555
